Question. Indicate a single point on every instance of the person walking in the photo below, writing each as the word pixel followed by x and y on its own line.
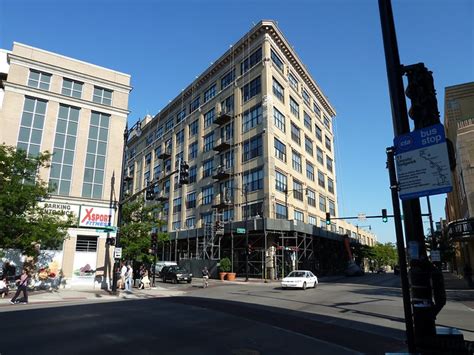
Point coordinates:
pixel 123 271
pixel 205 277
pixel 4 287
pixel 22 286
pixel 129 278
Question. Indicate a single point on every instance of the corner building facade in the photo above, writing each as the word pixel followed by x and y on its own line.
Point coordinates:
pixel 74 110
pixel 257 120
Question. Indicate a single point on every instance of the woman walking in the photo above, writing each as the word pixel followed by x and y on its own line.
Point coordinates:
pixel 22 286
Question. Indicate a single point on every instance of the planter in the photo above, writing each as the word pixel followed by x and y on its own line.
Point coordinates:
pixel 231 276
pixel 222 275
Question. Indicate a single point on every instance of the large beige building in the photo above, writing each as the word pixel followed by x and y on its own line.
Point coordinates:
pixel 256 119
pixel 77 111
pixel 459 123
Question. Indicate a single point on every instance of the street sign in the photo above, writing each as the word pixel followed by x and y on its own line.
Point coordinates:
pixel 362 217
pixel 422 162
pixel 240 230
pixel 435 255
pixel 118 253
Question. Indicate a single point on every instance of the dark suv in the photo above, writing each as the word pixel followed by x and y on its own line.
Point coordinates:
pixel 175 274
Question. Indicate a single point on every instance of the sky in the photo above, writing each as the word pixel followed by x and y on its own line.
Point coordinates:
pixel 164 45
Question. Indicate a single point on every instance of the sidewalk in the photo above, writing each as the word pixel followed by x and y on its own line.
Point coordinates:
pixel 81 294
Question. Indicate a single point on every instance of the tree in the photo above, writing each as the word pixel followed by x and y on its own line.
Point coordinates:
pixel 137 223
pixel 385 254
pixel 24 223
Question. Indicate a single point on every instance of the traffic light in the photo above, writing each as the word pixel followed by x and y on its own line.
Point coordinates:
pixel 328 218
pixel 154 242
pixel 250 249
pixel 384 216
pixel 110 241
pixel 183 173
pixel 421 91
pixel 150 192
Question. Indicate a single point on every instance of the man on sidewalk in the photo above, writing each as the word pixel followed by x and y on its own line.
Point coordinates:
pixel 22 287
pixel 129 278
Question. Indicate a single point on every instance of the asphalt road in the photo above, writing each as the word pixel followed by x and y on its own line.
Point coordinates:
pixel 360 315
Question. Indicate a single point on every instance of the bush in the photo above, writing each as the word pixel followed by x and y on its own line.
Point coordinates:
pixel 225 265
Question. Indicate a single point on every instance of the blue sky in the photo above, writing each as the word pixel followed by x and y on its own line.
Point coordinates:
pixel 165 44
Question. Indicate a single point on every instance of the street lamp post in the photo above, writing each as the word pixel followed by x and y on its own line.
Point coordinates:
pixel 246 233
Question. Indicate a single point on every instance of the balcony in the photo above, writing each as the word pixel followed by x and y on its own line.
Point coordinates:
pixel 221 201
pixel 221 145
pixel 166 154
pixel 223 117
pixel 221 173
pixel 163 196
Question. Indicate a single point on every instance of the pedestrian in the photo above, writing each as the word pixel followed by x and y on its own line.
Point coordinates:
pixel 129 278
pixel 145 281
pixel 22 286
pixel 123 271
pixel 4 287
pixel 205 277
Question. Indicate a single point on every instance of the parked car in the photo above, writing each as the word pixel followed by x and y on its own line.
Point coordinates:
pixel 175 274
pixel 299 279
pixel 382 270
pixel 161 264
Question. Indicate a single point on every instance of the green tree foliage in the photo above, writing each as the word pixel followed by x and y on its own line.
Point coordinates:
pixel 385 254
pixel 24 223
pixel 137 222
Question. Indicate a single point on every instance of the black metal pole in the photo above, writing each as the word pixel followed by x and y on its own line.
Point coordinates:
pixel 119 210
pixel 246 233
pixel 402 260
pixel 420 267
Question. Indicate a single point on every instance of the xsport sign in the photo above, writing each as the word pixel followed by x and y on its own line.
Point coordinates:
pixel 91 216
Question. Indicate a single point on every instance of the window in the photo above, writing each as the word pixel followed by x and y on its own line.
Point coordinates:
pixel 193 128
pixel 149 139
pixel 296 161
pixel 327 122
pixel 96 153
pixel 228 215
pixel 169 125
pixel 208 142
pixel 227 79
pixel 293 81
pixel 280 181
pixel 328 143
pixel 319 133
pixel 192 151
pixel 192 174
pixel 64 147
pixel 227 132
pixel 279 120
pixel 295 133
pixel 194 104
pixel 157 171
pixel 297 190
pixel 281 211
pixel 278 90
pixel 251 61
pixel 321 179
pixel 320 155
pixel 86 243
pixel 312 220
pixel 330 185
pixel 322 203
pixel 31 126
pixel 228 104
pixel 306 98
pixel 311 195
pixel 72 88
pixel 307 121
pixel 180 115
pixel 309 171
pixel 176 225
pixel 206 218
pixel 177 205
pixel 166 186
pixel 207 167
pixel 209 117
pixel 253 179
pixel 39 80
pixel 180 137
pixel 167 165
pixel 252 148
pixel 294 108
pixel 190 222
pixel 252 118
pixel 191 200
pixel 102 96
pixel 299 216
pixel 316 109
pixel 308 145
pixel 332 207
pixel 276 60
pixel 252 210
pixel 227 159
pixel 210 92
pixel 148 159
pixel 329 163
pixel 280 150
pixel 207 195
pixel 179 156
pixel 146 177
pixel 251 89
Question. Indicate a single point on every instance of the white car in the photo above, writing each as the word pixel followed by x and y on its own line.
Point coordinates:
pixel 300 279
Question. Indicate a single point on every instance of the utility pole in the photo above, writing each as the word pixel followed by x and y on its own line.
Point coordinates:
pixel 246 233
